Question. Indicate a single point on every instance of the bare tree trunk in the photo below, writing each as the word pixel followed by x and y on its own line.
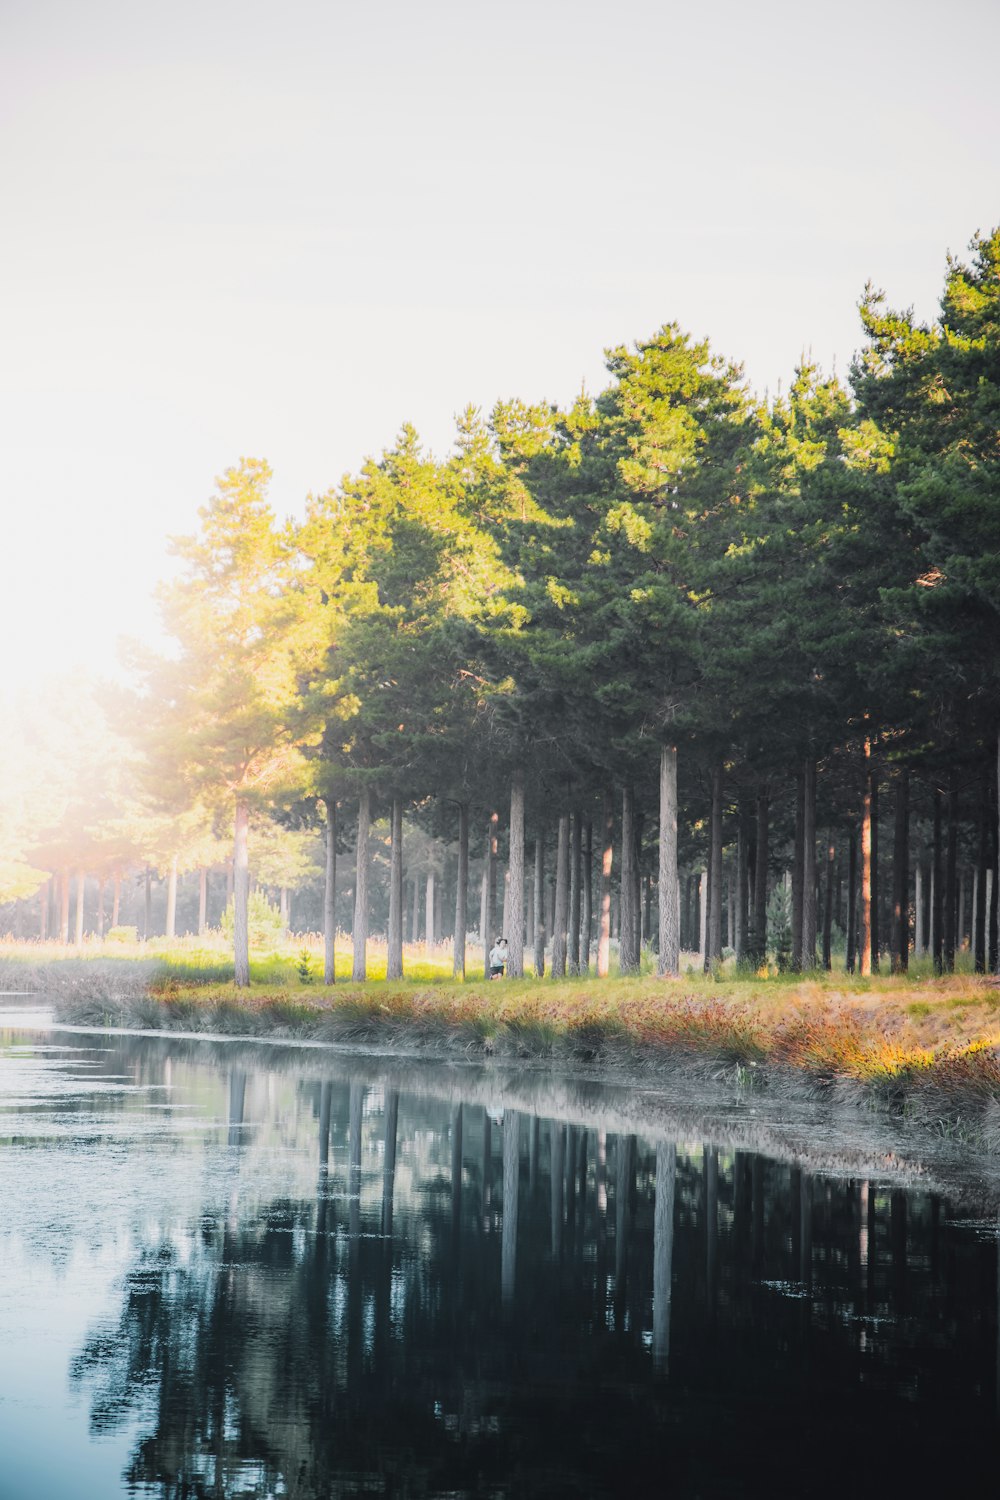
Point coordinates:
pixel 116 898
pixel 739 923
pixel 668 963
pixel 430 932
pixel 330 895
pixel 831 875
pixel 100 907
pixel 43 912
pixel 241 895
pixel 979 896
pixel 714 936
pixel 394 955
pixel 171 926
pixel 798 868
pixel 852 903
pixel 628 956
pixel 575 838
pixel 283 909
pixel 937 886
pixel 515 936
pixel 809 866
pixel 919 934
pixel 607 855
pixel 81 887
pixel 202 900
pixel 147 910
pixel 587 896
pixel 866 866
pixel 461 891
pixel 491 890
pixel 876 935
pixel 900 955
pixel 63 906
pixel 538 896
pixel 562 900
pixel 359 930
pixel 948 955
pixel 760 877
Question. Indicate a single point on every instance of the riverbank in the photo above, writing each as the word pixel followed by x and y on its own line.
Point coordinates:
pixel 926 1049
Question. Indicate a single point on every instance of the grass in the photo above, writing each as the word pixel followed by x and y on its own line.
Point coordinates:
pixel 923 1045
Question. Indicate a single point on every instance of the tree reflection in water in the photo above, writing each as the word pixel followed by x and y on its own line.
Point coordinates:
pixel 654 1308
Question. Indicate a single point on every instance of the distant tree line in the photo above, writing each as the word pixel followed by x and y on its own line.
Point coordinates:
pixel 673 656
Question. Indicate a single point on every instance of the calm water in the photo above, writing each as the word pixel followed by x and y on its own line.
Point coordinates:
pixel 246 1271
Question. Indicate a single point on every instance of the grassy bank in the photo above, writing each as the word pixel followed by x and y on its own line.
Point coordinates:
pixel 926 1047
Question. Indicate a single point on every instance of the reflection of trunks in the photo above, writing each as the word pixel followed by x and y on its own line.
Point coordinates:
pixel 496 971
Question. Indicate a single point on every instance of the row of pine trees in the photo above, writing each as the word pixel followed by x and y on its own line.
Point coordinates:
pixel 669 630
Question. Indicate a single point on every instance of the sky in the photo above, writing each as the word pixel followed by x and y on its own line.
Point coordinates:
pixel 244 229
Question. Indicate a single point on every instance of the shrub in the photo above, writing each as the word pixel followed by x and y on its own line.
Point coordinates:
pixel 122 935
pixel 266 927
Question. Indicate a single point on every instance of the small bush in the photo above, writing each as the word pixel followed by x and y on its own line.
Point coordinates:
pixel 122 935
pixel 264 921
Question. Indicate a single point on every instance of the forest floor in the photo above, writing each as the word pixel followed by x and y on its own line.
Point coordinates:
pixel 919 1045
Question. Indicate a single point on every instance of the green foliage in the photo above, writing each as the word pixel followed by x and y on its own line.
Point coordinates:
pixel 128 935
pixel 265 925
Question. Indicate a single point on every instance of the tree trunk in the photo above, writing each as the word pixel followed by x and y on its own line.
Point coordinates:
pixel 992 888
pixel 979 890
pixel 430 933
pixel 538 896
pixel 100 908
pixel 798 869
pixel 714 951
pixel 937 885
pixel 876 934
pixel 668 962
pixel 628 955
pixel 587 896
pixel 900 955
pixel 489 894
pixel 43 912
pixel 461 891
pixel 171 927
pixel 575 840
pixel 283 909
pixel 147 916
pixel 637 880
pixel 116 898
pixel 562 900
pixel 330 895
pixel 809 921
pixel 866 866
pixel 831 875
pixel 852 903
pixel 951 867
pixel 241 894
pixel 739 920
pixel 919 933
pixel 359 930
pixel 703 886
pixel 760 878
pixel 607 856
pixel 202 900
pixel 515 936
pixel 81 887
pixel 394 954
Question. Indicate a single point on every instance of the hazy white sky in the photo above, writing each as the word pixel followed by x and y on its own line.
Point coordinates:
pixel 281 230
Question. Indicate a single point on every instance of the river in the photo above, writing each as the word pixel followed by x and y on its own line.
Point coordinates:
pixel 245 1270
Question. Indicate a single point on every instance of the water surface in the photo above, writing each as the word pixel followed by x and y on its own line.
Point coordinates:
pixel 241 1271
